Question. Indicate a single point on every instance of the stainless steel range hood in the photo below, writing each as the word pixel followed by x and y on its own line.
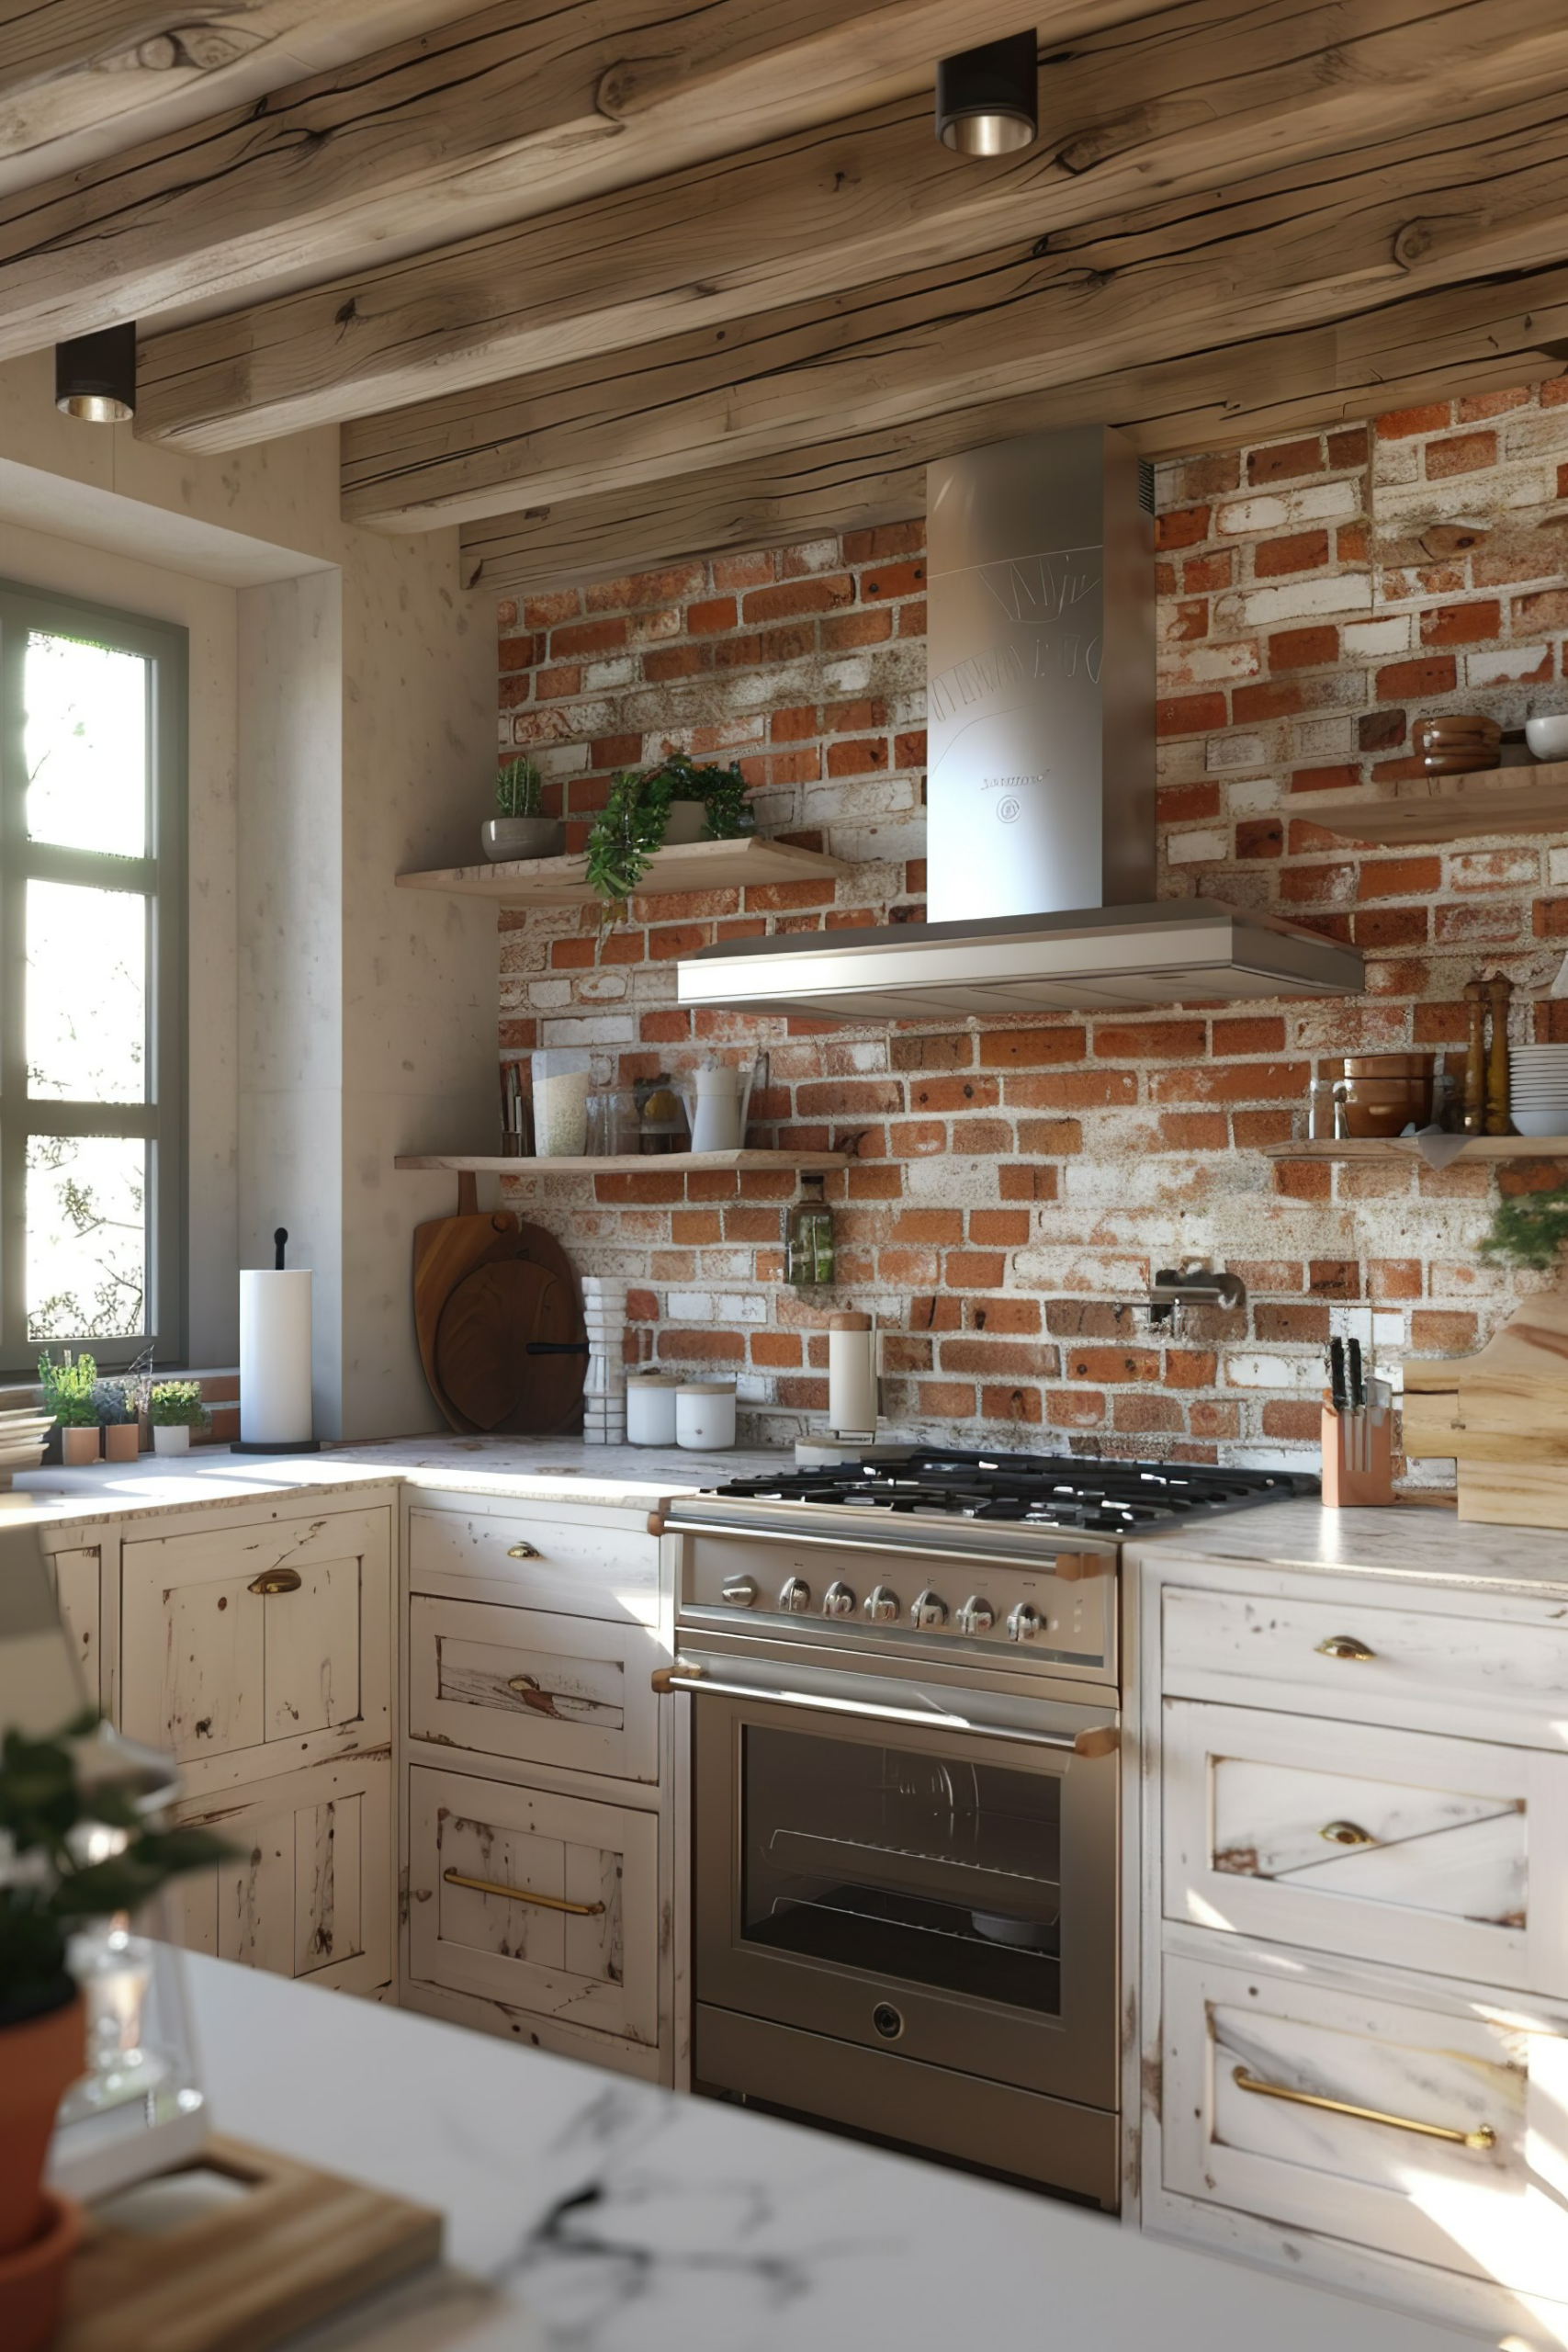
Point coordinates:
pixel 1040 784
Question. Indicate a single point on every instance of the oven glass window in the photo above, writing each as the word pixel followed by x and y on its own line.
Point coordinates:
pixel 904 1865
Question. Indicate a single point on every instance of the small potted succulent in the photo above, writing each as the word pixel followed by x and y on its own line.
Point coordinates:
pixel 118 1420
pixel 174 1408
pixel 71 1853
pixel 520 830
pixel 653 809
pixel 70 1393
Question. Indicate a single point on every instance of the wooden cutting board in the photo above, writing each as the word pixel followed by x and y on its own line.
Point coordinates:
pixel 487 1291
pixel 1502 1415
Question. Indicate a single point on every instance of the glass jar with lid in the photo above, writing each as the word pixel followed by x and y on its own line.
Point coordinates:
pixel 809 1256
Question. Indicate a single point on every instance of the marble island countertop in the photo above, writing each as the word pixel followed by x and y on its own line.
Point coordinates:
pixel 1419 1542
pixel 588 2213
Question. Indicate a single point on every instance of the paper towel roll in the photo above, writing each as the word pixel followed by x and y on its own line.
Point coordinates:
pixel 851 1374
pixel 275 1356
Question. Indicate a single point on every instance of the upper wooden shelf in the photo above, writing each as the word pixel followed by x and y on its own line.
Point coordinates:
pixel 1408 1147
pixel 1448 807
pixel 700 866
pixel 653 1163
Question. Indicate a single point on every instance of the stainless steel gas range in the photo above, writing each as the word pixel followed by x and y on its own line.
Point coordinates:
pixel 905 1734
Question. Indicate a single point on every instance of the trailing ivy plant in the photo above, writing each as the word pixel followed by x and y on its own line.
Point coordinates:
pixel 1529 1229
pixel 632 824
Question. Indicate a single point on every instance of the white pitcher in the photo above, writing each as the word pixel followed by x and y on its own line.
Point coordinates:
pixel 717 1098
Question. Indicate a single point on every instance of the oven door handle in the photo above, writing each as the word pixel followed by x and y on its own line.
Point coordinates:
pixel 1100 1739
pixel 1085 1563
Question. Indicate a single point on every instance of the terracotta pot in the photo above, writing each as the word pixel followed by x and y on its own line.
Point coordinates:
pixel 78 1447
pixel 122 1441
pixel 32 2280
pixel 41 2057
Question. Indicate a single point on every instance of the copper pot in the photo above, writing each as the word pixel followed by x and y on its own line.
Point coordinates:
pixel 1456 745
pixel 1385 1093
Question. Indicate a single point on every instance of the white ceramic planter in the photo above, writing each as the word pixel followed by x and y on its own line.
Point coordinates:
pixel 170 1441
pixel 508 837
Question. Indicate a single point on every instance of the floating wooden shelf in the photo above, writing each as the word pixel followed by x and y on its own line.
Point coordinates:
pixel 701 866
pixel 655 1163
pixel 1448 807
pixel 1408 1147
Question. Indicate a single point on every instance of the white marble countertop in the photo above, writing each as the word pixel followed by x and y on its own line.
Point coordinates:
pixel 589 2214
pixel 1416 1542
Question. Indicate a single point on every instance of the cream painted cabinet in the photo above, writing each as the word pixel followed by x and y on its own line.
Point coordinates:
pixel 77 1574
pixel 535 1687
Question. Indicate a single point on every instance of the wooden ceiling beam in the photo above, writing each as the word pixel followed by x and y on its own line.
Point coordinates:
pixel 1465 339
pixel 1201 95
pixel 505 114
pixel 1301 247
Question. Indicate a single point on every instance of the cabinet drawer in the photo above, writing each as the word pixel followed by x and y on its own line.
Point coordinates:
pixel 540 1689
pixel 1443 1855
pixel 1494 2208
pixel 559 1914
pixel 1335 1656
pixel 250 1650
pixel 576 1563
pixel 306 1890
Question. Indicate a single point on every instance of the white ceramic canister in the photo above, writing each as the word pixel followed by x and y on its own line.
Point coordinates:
pixel 651 1408
pixel 705 1415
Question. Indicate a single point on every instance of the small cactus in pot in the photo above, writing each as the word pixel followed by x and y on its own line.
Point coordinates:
pixel 520 830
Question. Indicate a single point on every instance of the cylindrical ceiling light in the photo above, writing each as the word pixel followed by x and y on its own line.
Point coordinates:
pixel 988 99
pixel 94 376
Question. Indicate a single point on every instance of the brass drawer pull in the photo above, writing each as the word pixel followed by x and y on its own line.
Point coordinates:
pixel 1481 2137
pixel 516 1894
pixel 277 1580
pixel 523 1552
pixel 1346 1833
pixel 1344 1646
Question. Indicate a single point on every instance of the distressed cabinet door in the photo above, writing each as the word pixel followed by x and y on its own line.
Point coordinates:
pixel 250 1650
pixel 1458 2153
pixel 306 1888
pixel 1443 1855
pixel 539 1689
pixel 75 1575
pixel 548 1903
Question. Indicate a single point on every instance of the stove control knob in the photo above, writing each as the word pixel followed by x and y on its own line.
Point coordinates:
pixel 740 1591
pixel 796 1597
pixel 1024 1623
pixel 976 1616
pixel 838 1601
pixel 882 1605
pixel 928 1612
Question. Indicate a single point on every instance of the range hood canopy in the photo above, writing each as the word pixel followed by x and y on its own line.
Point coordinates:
pixel 1040 780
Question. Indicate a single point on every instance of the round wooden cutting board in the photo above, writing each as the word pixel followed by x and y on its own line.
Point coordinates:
pixel 487 1290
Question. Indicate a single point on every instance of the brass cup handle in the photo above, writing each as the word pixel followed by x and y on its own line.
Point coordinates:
pixel 1345 1833
pixel 1345 1645
pixel 519 1895
pixel 272 1580
pixel 1482 2137
pixel 523 1552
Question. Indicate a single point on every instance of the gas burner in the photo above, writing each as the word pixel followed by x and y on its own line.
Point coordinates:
pixel 1068 1491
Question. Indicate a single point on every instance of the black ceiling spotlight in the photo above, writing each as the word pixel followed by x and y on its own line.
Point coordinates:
pixel 94 376
pixel 988 99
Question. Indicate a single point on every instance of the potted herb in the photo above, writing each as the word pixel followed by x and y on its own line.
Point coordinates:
pixel 69 1853
pixel 117 1419
pixel 520 830
pixel 651 808
pixel 174 1408
pixel 70 1393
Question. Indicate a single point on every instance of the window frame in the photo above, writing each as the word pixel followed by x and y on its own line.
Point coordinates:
pixel 160 877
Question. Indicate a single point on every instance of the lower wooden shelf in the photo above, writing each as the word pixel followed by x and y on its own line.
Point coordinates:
pixel 1447 807
pixel 672 1163
pixel 1409 1147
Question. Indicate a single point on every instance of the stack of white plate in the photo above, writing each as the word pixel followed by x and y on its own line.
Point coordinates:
pixel 24 1433
pixel 604 1389
pixel 1538 1090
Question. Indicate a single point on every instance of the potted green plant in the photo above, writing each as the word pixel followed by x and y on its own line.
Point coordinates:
pixel 70 1394
pixel 651 808
pixel 520 830
pixel 174 1408
pixel 118 1420
pixel 69 1854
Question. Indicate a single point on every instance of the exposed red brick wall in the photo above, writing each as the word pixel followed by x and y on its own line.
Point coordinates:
pixel 1013 1185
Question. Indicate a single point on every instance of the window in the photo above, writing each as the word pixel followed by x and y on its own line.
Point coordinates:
pixel 92 981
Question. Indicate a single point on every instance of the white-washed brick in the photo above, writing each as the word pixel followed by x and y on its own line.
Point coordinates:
pixel 602 1029
pixel 1375 641
pixel 1394 461
pixel 1224 752
pixel 690 1307
pixel 1388 1328
pixel 602 988
pixel 603 676
pixel 1532 433
pixel 1557 867
pixel 1472 500
pixel 1271 1372
pixel 1505 665
pixel 549 995
pixel 1197 849
pixel 1326 501
pixel 1200 665
pixel 1249 797
pixel 741 1307
pixel 1325 592
pixel 1324 739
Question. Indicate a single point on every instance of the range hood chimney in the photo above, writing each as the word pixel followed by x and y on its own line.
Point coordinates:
pixel 1041 783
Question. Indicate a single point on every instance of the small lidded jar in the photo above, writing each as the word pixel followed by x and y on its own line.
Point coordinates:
pixel 651 1408
pixel 705 1415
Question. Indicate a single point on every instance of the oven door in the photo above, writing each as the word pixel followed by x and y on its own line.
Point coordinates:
pixel 925 1867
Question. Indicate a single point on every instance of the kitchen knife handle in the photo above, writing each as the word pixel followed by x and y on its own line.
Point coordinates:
pixel 1336 1374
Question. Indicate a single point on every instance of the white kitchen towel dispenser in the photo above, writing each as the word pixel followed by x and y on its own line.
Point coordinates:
pixel 275 1357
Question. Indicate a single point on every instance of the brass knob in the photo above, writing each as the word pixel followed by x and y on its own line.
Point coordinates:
pixel 1344 1646
pixel 1345 1833
pixel 277 1580
pixel 522 1551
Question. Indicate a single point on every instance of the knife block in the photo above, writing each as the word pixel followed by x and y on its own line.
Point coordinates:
pixel 1357 1458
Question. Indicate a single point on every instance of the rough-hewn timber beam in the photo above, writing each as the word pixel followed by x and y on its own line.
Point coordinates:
pixel 1196 98
pixel 1469 338
pixel 1301 247
pixel 505 114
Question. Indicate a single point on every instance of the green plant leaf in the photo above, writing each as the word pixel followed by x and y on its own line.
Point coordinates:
pixel 1529 1229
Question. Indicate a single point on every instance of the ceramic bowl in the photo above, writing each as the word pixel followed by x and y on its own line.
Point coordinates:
pixel 1547 738
pixel 1540 1123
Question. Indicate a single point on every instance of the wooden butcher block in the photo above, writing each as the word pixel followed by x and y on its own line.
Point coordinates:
pixel 1502 1415
pixel 500 1327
